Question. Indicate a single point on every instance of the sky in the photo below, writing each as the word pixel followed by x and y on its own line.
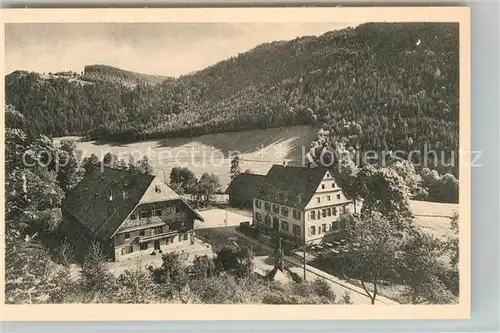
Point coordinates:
pixel 171 49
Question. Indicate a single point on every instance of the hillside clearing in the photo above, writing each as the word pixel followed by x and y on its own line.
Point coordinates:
pixel 211 153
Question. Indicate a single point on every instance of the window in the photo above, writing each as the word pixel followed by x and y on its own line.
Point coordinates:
pixel 258 216
pixel 313 215
pixel 329 212
pixel 323 213
pixel 143 246
pixel 338 196
pixel 327 175
pixel 284 211
pixel 157 212
pixel 344 209
pixel 318 214
pixel 129 249
pixel 342 224
pixel 313 230
pixel 133 216
pixel 267 219
pixel 142 232
pixel 157 189
pixel 296 230
pixel 323 227
pixel 267 206
pixel 144 214
pixel 322 186
pixel 258 203
pixel 335 226
pixel 157 230
pixel 334 212
pixel 318 199
pixel 333 185
pixel 171 239
pixel 127 235
pixel 276 209
pixel 284 225
pixel 180 237
pixel 329 198
pixel 186 236
pixel 298 215
pixel 177 209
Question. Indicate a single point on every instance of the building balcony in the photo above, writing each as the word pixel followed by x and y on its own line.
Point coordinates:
pixel 153 220
pixel 143 239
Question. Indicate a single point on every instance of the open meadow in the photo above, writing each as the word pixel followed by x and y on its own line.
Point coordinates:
pixel 212 153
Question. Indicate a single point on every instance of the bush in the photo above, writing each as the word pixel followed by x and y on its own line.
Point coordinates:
pixel 203 267
pixel 95 271
pixel 136 286
pixel 323 289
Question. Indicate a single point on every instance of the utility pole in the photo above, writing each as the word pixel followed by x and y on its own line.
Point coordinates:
pixel 304 257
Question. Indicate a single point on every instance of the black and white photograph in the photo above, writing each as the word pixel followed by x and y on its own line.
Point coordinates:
pixel 317 162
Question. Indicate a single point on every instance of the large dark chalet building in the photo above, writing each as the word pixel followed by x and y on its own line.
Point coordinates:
pixel 129 214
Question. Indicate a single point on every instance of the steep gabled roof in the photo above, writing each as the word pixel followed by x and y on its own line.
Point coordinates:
pixel 245 185
pixel 291 186
pixel 90 203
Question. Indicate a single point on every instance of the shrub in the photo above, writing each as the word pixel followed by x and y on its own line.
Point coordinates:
pixel 323 289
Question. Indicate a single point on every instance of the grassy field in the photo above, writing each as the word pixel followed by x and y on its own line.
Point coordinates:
pixel 433 217
pixel 260 149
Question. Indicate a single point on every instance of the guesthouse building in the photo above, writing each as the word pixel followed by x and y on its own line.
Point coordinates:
pixel 302 204
pixel 128 214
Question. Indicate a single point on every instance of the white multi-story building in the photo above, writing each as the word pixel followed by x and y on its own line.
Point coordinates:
pixel 303 204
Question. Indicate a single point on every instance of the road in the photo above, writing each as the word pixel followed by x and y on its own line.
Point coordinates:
pixel 215 232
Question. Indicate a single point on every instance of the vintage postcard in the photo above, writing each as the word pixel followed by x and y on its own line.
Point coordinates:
pixel 236 163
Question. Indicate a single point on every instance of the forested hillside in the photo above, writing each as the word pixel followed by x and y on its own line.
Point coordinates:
pixel 380 86
pixel 97 73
